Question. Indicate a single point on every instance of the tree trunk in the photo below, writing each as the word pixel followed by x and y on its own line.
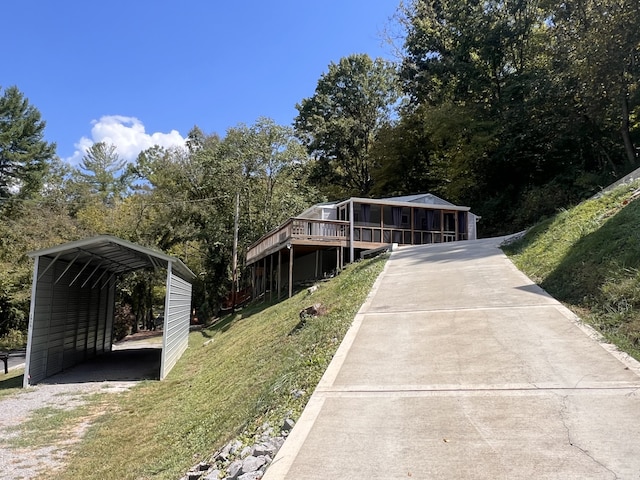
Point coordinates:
pixel 629 147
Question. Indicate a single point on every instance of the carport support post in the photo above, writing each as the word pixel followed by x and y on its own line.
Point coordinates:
pixel 167 295
pixel 32 308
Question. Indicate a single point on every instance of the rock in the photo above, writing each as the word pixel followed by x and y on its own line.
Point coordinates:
pixel 236 445
pixel 277 442
pixel 234 470
pixel 246 451
pixel 238 462
pixel 267 432
pixel 297 393
pixel 228 450
pixel 315 310
pixel 251 476
pixel 288 425
pixel 264 448
pixel 252 464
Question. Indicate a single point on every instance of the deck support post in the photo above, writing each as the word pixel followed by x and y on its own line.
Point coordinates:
pixel 264 278
pixel 270 277
pixel 290 271
pixel 317 261
pixel 278 280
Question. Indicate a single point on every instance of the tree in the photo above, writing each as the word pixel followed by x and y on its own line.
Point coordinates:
pixel 498 109
pixel 339 123
pixel 597 45
pixel 103 172
pixel 271 161
pixel 23 150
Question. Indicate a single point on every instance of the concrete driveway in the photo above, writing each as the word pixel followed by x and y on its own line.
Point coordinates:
pixel 459 367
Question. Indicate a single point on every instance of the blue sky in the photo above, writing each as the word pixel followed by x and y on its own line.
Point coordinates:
pixel 139 72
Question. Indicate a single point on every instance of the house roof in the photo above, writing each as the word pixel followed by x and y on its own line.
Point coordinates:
pixel 427 198
pixel 317 206
pixel 114 255
pixel 409 201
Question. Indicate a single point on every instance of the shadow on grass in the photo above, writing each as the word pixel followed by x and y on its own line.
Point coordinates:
pixel 597 258
pixel 224 323
pixel 11 382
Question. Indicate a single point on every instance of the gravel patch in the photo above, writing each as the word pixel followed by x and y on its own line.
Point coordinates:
pixel 114 373
pixel 26 463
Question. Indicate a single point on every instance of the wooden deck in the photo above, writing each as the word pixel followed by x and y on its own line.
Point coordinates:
pixel 335 233
pixel 300 231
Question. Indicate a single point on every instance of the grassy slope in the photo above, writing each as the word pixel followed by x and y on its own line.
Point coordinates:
pixel 589 258
pixel 241 378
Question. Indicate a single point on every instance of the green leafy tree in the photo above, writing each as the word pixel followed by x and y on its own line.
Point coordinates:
pixel 339 123
pixel 273 164
pixel 23 151
pixel 597 45
pixel 34 224
pixel 498 109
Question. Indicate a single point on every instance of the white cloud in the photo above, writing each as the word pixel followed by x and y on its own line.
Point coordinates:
pixel 127 134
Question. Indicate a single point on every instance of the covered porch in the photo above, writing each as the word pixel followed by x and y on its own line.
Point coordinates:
pixel 322 239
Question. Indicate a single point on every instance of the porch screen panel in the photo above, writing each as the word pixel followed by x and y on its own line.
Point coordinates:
pixel 462 225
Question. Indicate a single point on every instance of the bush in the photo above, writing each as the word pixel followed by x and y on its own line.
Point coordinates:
pixel 13 340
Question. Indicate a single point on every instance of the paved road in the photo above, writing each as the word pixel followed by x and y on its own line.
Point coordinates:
pixel 459 367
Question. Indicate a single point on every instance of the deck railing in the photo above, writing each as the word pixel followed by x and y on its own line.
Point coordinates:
pixel 300 229
pixel 319 231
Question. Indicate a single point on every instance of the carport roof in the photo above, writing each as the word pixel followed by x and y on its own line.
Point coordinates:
pixel 114 255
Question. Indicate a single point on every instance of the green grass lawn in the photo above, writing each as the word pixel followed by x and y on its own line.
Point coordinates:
pixel 234 377
pixel 589 258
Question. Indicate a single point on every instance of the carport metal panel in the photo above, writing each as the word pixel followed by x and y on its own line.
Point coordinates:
pixel 177 309
pixel 73 303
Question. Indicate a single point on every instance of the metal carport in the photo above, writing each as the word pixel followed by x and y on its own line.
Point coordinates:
pixel 73 303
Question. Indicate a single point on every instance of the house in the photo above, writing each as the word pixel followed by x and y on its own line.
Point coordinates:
pixel 326 236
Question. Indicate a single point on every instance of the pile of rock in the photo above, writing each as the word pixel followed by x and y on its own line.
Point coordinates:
pixel 237 461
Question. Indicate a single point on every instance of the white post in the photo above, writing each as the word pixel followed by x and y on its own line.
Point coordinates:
pixel 32 309
pixel 167 303
pixel 351 221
